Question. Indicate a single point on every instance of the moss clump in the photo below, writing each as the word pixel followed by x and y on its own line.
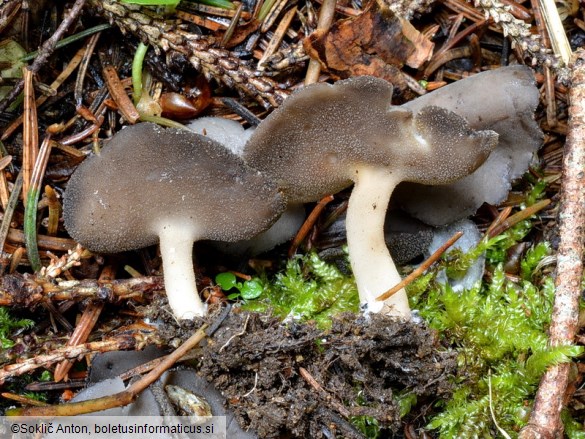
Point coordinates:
pixel 8 325
pixel 307 289
pixel 499 330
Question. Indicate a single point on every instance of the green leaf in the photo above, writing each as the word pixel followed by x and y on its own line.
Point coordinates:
pixel 46 376
pixel 226 281
pixel 406 401
pixel 11 54
pixel 251 289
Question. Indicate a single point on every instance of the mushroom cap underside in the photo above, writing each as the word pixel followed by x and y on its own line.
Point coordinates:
pixel 147 177
pixel 314 143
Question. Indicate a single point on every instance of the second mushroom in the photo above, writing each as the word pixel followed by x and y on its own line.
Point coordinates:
pixel 325 137
pixel 171 186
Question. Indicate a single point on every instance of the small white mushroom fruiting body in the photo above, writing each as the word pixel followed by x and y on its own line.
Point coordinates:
pixel 324 137
pixel 228 132
pixel 151 185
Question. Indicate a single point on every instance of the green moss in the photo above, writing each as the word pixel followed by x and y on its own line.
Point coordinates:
pixel 499 330
pixel 8 324
pixel 573 429
pixel 307 289
pixel 369 426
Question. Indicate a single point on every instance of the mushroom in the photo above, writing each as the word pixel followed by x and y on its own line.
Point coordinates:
pixel 325 136
pixel 225 131
pixel 502 100
pixel 171 186
pixel 234 137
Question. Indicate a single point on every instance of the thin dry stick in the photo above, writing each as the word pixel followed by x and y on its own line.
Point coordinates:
pixel 9 211
pixel 551 103
pixel 23 399
pixel 556 32
pixel 545 417
pixel 326 15
pixel 309 222
pixel 539 21
pixel 7 13
pixel 232 27
pixel 502 216
pixel 341 409
pixel 272 15
pixel 124 342
pixel 84 327
pixel 119 399
pixel 4 191
pixel 78 91
pixel 125 105
pixel 5 161
pixel 421 269
pixel 30 134
pixel 54 210
pixel 517 217
pixel 141 369
pixel 201 21
pixel 46 51
pixel 276 39
pixel 45 242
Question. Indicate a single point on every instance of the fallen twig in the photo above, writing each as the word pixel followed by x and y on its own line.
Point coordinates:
pixel 125 105
pixel 326 15
pixel 545 419
pixel 119 399
pixel 19 290
pixel 517 217
pixel 308 224
pixel 421 268
pixel 83 328
pixel 341 409
pixel 138 340
pixel 173 38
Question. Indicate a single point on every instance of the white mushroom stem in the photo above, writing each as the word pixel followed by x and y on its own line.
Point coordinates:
pixel 176 248
pixel 372 265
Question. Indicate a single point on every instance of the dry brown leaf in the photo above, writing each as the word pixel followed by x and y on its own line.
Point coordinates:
pixel 376 43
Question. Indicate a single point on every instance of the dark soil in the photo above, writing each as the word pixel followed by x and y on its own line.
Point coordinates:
pixel 359 364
